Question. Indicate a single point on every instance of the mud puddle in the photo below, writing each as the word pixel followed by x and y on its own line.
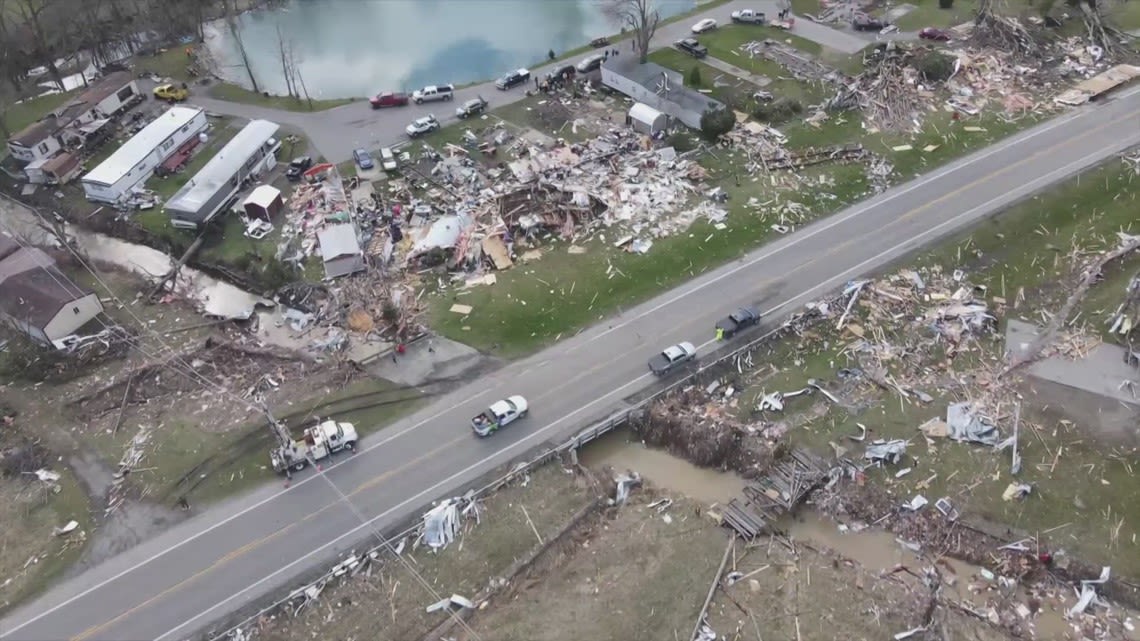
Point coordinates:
pixel 660 468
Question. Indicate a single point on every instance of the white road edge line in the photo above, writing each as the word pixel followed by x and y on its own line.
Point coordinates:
pixel 858 211
pixel 1026 188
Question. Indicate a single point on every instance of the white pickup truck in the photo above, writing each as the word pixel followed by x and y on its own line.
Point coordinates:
pixel 748 16
pixel 318 442
pixel 432 93
pixel 499 415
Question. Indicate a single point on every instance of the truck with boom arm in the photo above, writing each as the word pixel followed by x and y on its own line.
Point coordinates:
pixel 316 443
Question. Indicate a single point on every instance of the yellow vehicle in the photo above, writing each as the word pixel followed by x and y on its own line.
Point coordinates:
pixel 171 93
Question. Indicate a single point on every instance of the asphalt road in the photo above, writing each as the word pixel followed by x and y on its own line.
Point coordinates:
pixel 217 562
pixel 336 132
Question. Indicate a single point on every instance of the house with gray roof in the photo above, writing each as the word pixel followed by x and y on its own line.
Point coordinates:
pixel 661 88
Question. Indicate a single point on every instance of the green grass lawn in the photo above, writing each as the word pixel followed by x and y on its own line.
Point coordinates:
pixel 18 116
pixel 726 40
pixel 233 93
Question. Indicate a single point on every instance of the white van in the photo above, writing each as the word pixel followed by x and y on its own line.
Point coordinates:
pixel 432 93
pixel 388 159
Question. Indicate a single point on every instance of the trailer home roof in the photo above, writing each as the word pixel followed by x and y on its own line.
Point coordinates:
pixel 135 150
pixel 222 167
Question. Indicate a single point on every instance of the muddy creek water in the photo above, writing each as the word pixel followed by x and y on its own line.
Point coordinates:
pixel 876 550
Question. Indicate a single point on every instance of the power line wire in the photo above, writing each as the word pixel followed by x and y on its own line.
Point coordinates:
pixel 76 289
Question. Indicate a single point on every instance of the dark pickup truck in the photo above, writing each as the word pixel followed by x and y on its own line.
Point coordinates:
pixel 737 321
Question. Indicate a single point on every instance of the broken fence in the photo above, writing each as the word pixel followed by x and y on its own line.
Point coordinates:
pixel 352 563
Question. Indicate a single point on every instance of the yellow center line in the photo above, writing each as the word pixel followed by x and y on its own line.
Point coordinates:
pixel 239 552
pixel 252 545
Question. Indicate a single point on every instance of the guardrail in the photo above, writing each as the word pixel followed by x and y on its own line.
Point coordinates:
pixel 597 430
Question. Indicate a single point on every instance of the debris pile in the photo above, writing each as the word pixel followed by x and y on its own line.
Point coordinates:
pixel 889 91
pixel 802 65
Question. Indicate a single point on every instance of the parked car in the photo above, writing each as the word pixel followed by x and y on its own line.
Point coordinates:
pixel 598 43
pixel 513 79
pixel 421 126
pixel 672 358
pixel 868 23
pixel 591 63
pixel 708 24
pixel 472 107
pixel 499 415
pixel 933 33
pixel 737 321
pixel 692 47
pixel 432 93
pixel 363 159
pixel 565 72
pixel 171 93
pixel 297 168
pixel 388 159
pixel 388 99
pixel 748 16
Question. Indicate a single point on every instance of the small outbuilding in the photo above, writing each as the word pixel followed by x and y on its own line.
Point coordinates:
pixel 647 120
pixel 340 250
pixel 263 203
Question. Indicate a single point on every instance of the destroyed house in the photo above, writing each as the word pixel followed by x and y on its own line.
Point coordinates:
pixel 215 186
pixel 44 304
pixel 37 141
pixel 340 250
pixel 106 98
pixel 660 88
pixel 135 161
pixel 43 139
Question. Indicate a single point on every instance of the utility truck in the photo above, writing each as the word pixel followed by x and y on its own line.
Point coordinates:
pixel 316 443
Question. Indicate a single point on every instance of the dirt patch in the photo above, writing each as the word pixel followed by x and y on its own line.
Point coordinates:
pixel 389 602
pixel 633 573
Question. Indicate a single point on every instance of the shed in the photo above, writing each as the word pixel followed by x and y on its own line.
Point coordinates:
pixel 647 120
pixel 340 250
pixel 22 259
pixel 264 202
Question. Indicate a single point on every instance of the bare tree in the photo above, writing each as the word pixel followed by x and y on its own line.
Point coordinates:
pixel 638 16
pixel 231 22
pixel 285 53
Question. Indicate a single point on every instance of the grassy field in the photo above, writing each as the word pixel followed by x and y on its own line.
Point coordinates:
pixel 30 555
pixel 234 93
pixel 1085 492
pixel 27 111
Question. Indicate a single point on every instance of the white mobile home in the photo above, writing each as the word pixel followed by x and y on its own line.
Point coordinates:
pixel 136 160
pixel 215 187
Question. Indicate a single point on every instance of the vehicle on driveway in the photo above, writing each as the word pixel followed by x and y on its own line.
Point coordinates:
pixel 433 93
pixel 297 168
pixel 388 99
pixel 513 79
pixel 692 47
pixel 868 23
pixel 591 63
pixel 472 107
pixel 737 321
pixel 318 442
pixel 708 24
pixel 388 159
pixel 933 33
pixel 171 93
pixel 748 16
pixel 672 358
pixel 499 415
pixel 363 159
pixel 421 126
pixel 565 72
